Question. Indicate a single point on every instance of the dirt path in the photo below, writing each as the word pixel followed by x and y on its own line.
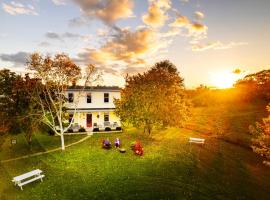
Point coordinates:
pixel 45 152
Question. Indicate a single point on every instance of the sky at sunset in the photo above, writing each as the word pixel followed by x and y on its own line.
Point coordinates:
pixel 206 39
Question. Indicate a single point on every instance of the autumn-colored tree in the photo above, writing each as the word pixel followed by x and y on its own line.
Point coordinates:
pixel 56 74
pixel 201 96
pixel 153 99
pixel 7 80
pixel 261 141
pixel 16 107
pixel 254 86
pixel 27 110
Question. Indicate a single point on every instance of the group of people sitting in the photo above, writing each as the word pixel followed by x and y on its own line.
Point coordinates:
pixel 136 147
pixel 107 144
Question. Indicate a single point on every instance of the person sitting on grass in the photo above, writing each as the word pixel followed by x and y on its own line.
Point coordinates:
pixel 138 149
pixel 106 143
pixel 117 143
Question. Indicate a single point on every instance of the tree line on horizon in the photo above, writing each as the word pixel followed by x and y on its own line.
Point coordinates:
pixel 253 87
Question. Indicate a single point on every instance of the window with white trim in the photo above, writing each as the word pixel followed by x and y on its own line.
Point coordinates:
pixel 106 97
pixel 70 97
pixel 89 98
pixel 106 117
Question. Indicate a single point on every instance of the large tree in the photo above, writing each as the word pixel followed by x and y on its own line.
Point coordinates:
pixel 56 74
pixel 7 80
pixel 154 99
pixel 26 109
pixel 17 111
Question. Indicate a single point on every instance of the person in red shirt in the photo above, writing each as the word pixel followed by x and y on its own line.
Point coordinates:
pixel 138 149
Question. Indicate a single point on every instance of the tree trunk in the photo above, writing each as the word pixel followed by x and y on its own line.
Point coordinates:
pixel 29 138
pixel 149 128
pixel 62 141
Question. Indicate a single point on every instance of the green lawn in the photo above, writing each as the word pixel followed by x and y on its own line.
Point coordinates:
pixel 170 169
pixel 40 143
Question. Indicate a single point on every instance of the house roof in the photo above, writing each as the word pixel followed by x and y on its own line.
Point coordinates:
pixel 94 88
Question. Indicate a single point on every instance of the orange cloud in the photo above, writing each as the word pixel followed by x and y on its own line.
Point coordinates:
pixel 115 9
pixel 237 71
pixel 156 16
pixel 125 47
pixel 198 27
pixel 195 30
pixel 181 21
pixel 107 11
pixel 166 4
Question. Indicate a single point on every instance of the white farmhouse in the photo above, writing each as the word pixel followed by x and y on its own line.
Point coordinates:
pixel 94 107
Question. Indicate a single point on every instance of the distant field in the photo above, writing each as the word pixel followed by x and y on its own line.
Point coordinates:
pixel 229 122
pixel 170 169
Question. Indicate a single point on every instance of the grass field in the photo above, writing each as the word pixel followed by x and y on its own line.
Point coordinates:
pixel 170 169
pixel 229 122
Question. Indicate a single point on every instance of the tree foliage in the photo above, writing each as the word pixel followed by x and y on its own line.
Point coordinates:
pixel 56 74
pixel 204 96
pixel 261 141
pixel 17 109
pixel 26 108
pixel 153 99
pixel 200 96
pixel 255 86
pixel 7 80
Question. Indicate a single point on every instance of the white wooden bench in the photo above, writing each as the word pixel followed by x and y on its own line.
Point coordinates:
pixel 196 140
pixel 28 178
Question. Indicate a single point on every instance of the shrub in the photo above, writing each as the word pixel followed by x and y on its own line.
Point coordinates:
pixel 51 132
pixel 118 128
pixel 96 130
pixel 108 129
pixel 46 129
pixel 82 129
pixel 261 133
pixel 70 130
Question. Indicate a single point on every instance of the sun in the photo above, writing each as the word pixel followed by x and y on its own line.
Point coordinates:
pixel 223 80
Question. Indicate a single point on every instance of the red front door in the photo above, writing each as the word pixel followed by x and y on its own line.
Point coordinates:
pixel 88 120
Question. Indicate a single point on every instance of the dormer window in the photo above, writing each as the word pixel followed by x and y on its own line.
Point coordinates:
pixel 106 97
pixel 88 98
pixel 70 97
